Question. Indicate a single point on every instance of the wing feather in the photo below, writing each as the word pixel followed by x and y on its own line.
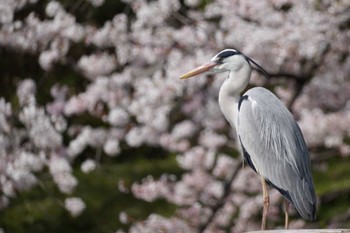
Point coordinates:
pixel 273 139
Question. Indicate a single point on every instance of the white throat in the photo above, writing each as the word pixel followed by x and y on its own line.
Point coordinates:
pixel 230 91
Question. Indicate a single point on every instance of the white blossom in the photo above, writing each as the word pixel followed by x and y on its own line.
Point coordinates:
pixel 74 205
pixel 111 147
pixel 183 130
pixel 135 137
pixel 38 125
pixel 118 117
pixel 192 2
pixel 210 139
pixel 47 58
pixel 88 166
pixel 26 91
pixel 97 64
pixel 6 13
pixel 157 223
pixel 123 217
pixel 96 3
pixel 52 8
pixel 61 170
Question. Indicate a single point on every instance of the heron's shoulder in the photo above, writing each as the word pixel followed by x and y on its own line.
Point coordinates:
pixel 264 104
pixel 258 92
pixel 262 97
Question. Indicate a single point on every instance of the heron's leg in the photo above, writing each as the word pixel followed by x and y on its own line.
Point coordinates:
pixel 266 203
pixel 286 220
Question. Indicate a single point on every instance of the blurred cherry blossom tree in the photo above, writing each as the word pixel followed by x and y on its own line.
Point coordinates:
pixel 130 66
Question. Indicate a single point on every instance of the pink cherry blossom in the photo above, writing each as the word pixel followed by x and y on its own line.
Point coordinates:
pixel 129 68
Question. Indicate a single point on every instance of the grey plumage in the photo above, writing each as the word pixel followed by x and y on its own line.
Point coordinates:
pixel 277 148
pixel 271 140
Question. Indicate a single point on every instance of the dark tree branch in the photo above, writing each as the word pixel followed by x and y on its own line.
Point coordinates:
pixel 308 71
pixel 294 77
pixel 300 81
pixel 221 201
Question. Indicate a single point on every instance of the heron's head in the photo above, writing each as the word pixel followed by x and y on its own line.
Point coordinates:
pixel 225 61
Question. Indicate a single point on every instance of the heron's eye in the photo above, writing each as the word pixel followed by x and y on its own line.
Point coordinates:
pixel 220 60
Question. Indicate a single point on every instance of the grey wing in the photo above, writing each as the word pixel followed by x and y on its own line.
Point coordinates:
pixel 274 146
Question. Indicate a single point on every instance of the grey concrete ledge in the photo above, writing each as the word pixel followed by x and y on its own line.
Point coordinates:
pixel 305 231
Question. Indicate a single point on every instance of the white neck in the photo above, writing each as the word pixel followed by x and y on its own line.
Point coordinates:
pixel 230 90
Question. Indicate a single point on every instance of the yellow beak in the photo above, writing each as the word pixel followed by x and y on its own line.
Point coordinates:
pixel 199 70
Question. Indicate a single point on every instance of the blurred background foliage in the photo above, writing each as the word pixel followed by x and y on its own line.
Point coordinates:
pixel 41 209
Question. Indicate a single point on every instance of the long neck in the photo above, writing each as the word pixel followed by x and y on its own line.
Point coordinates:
pixel 230 92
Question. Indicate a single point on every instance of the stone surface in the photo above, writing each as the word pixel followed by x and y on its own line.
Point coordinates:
pixel 305 231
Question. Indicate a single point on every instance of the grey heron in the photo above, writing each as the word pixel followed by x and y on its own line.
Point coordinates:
pixel 271 140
